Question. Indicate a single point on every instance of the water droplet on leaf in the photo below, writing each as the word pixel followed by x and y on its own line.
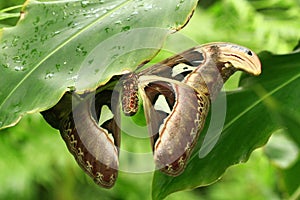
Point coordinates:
pixel 19 68
pixel 15 41
pixel 80 50
pixel 148 7
pixel 71 71
pixel 57 66
pixel 118 22
pixel 5 65
pixel 91 61
pixel 135 13
pixel 125 28
pixel 107 30
pixel 55 33
pixel 49 75
pixel 84 4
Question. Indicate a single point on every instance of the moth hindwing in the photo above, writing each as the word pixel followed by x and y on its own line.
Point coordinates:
pixel 92 146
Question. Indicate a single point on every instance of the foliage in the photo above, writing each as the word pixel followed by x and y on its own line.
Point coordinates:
pixel 35 163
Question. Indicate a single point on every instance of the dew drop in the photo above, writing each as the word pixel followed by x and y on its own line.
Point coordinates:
pixel 17 108
pixel 36 21
pixel 125 28
pixel 15 41
pixel 118 22
pixel 135 13
pixel 66 5
pixel 80 50
pixel 91 61
pixel 84 4
pixel 5 65
pixel 49 75
pixel 107 30
pixel 55 33
pixel 148 7
pixel 5 46
pixel 57 66
pixel 74 78
pixel 71 71
pixel 65 15
pixel 34 51
pixel 17 59
pixel 114 56
pixel 19 68
pixel 179 4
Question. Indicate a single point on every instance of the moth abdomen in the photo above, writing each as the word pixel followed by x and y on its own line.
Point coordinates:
pixel 129 95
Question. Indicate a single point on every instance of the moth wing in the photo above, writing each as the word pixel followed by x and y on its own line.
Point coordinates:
pixel 95 150
pixel 173 134
pixel 178 66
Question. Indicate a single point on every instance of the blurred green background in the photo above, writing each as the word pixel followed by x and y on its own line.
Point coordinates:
pixel 35 163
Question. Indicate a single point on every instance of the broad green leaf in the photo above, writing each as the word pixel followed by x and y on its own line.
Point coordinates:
pixel 261 106
pixel 282 150
pixel 284 153
pixel 290 180
pixel 73 43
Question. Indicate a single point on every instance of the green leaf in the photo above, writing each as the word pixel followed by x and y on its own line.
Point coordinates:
pixel 261 106
pixel 282 150
pixel 81 44
pixel 290 180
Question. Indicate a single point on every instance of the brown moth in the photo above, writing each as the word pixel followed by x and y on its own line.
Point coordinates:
pixel 176 95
